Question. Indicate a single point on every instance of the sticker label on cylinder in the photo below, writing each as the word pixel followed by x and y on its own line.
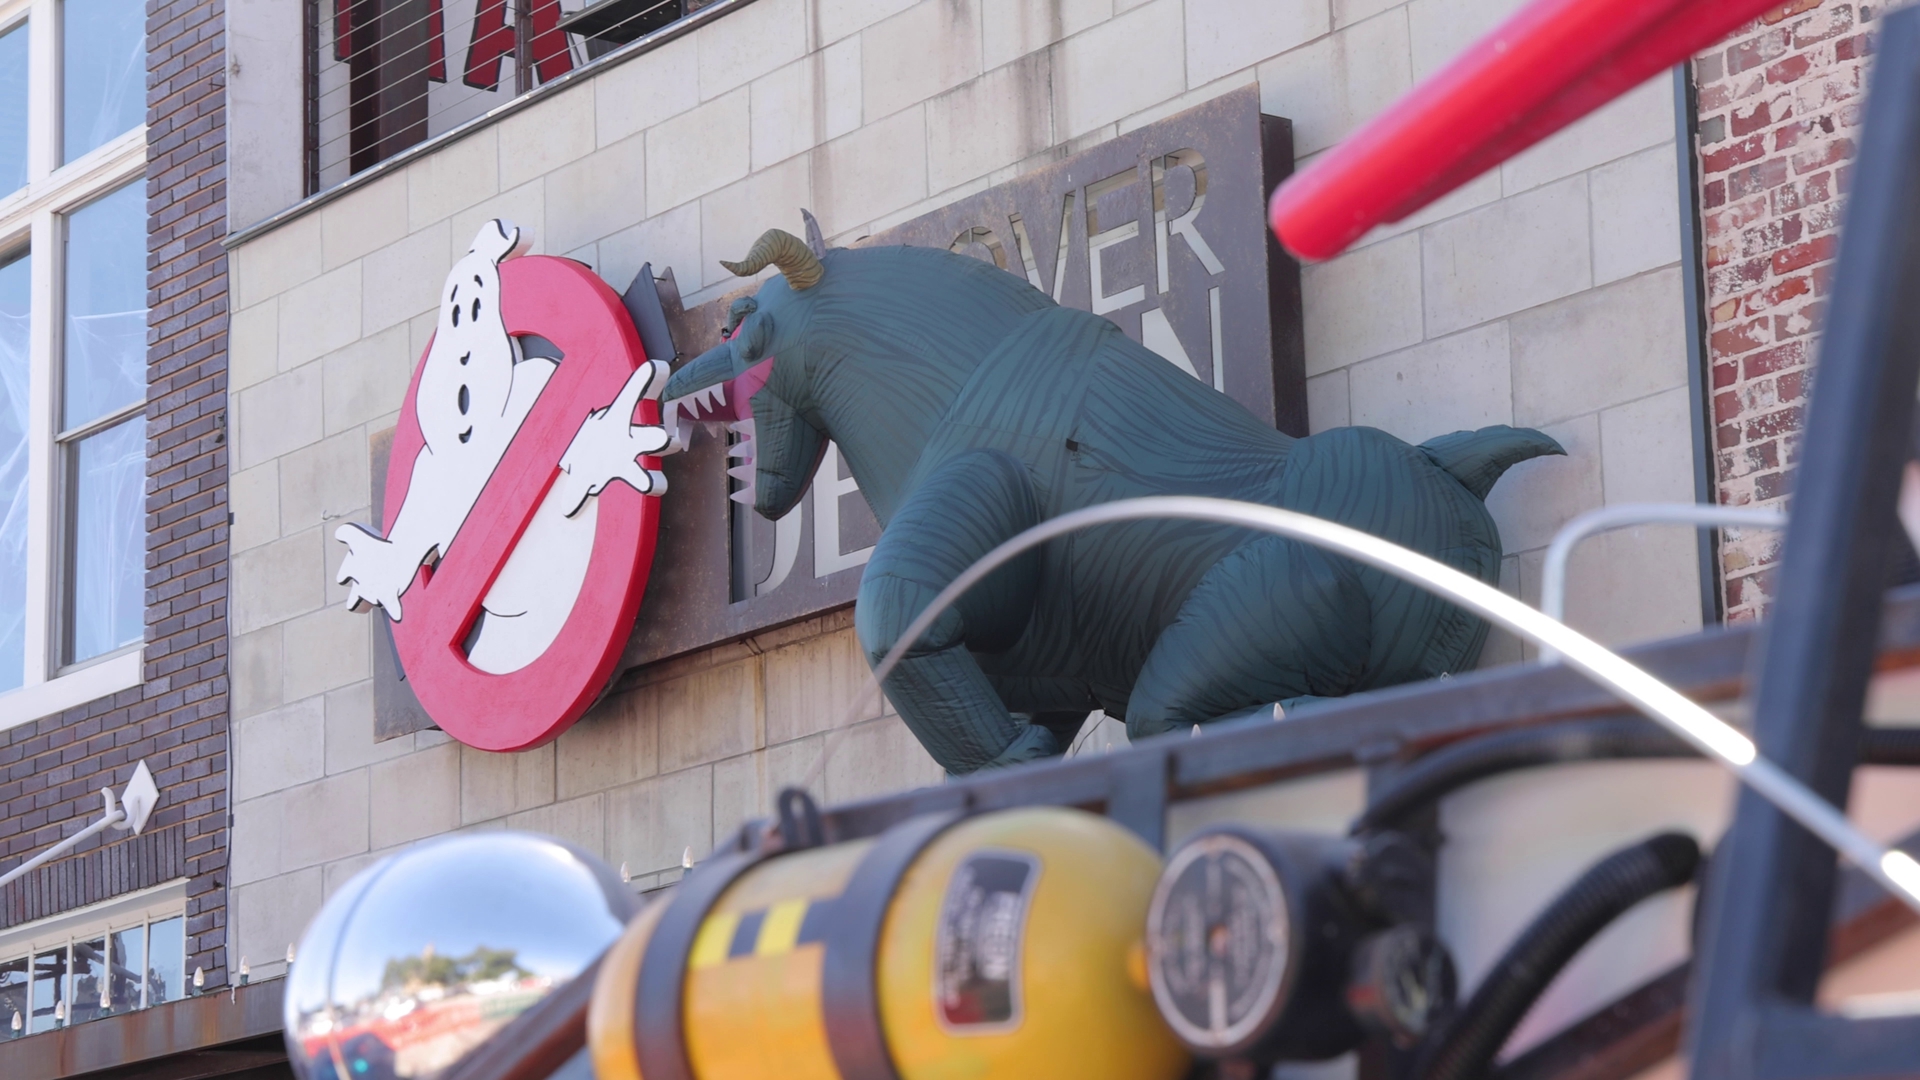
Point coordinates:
pixel 983 922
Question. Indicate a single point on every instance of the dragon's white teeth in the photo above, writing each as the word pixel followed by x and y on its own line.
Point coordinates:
pixel 695 406
pixel 743 449
pixel 720 393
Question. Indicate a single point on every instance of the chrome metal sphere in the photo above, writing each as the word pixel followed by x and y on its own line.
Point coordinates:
pixel 423 955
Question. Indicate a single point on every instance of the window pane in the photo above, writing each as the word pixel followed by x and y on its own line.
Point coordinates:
pixel 14 374
pixel 106 303
pixel 13 108
pixel 49 989
pixel 13 998
pixel 89 980
pixel 106 587
pixel 104 58
pixel 129 958
pixel 167 967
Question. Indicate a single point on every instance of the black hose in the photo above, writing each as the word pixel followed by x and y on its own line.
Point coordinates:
pixel 1890 746
pixel 1465 1047
pixel 1453 767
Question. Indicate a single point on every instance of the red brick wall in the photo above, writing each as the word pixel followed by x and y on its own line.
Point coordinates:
pixel 1780 108
pixel 51 770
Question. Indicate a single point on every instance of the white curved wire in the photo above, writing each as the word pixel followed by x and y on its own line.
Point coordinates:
pixel 1714 737
pixel 1553 583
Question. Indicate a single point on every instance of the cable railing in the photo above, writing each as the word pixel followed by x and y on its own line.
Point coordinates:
pixel 385 75
pixel 1553 588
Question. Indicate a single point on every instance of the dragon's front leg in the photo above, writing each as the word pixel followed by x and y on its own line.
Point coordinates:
pixel 966 508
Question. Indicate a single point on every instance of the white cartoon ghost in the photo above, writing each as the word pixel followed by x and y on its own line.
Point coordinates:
pixel 476 389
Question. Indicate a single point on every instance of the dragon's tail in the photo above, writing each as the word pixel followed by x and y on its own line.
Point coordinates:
pixel 1478 458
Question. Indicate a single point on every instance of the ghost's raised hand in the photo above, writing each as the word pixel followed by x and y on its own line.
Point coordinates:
pixel 608 444
pixel 374 571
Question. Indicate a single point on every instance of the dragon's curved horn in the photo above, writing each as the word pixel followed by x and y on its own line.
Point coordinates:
pixel 781 248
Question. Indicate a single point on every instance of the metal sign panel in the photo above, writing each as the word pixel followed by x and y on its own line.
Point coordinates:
pixel 1161 230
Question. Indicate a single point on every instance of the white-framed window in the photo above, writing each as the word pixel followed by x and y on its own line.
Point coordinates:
pixel 73 243
pixel 125 954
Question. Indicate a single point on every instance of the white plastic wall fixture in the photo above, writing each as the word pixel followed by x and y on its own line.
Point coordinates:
pixel 136 806
pixel 139 799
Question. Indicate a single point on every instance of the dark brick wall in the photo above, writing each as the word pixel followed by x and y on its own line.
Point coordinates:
pixel 152 858
pixel 51 770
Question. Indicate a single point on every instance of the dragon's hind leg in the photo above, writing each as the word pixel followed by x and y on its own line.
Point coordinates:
pixel 1275 619
pixel 965 509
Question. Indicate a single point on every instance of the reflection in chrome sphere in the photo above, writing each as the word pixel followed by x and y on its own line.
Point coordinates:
pixel 423 955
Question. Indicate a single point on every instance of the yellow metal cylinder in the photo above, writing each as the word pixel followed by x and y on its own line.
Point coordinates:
pixel 752 998
pixel 610 1013
pixel 1010 947
pixel 1082 1006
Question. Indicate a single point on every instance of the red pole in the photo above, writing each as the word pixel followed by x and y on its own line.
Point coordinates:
pixel 1552 63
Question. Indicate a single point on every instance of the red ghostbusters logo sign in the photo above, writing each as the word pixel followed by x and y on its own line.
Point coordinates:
pixel 522 497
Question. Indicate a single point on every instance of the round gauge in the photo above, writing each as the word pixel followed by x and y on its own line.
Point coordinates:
pixel 1217 944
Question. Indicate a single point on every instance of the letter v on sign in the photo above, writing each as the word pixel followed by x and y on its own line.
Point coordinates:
pixel 566 303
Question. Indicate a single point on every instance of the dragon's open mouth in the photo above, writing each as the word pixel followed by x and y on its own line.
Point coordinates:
pixel 729 403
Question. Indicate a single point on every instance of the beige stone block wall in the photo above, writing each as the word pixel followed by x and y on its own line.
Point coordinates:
pixel 1546 293
pixel 1543 293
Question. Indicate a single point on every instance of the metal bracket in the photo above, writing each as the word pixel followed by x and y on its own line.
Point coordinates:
pixel 1137 797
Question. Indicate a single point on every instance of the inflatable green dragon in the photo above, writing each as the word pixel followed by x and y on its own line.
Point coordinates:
pixel 970 406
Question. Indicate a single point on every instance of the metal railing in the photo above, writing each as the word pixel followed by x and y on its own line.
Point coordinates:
pixel 1714 738
pixel 385 75
pixel 1553 586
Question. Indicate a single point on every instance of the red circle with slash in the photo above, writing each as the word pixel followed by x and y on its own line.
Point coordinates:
pixel 566 303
